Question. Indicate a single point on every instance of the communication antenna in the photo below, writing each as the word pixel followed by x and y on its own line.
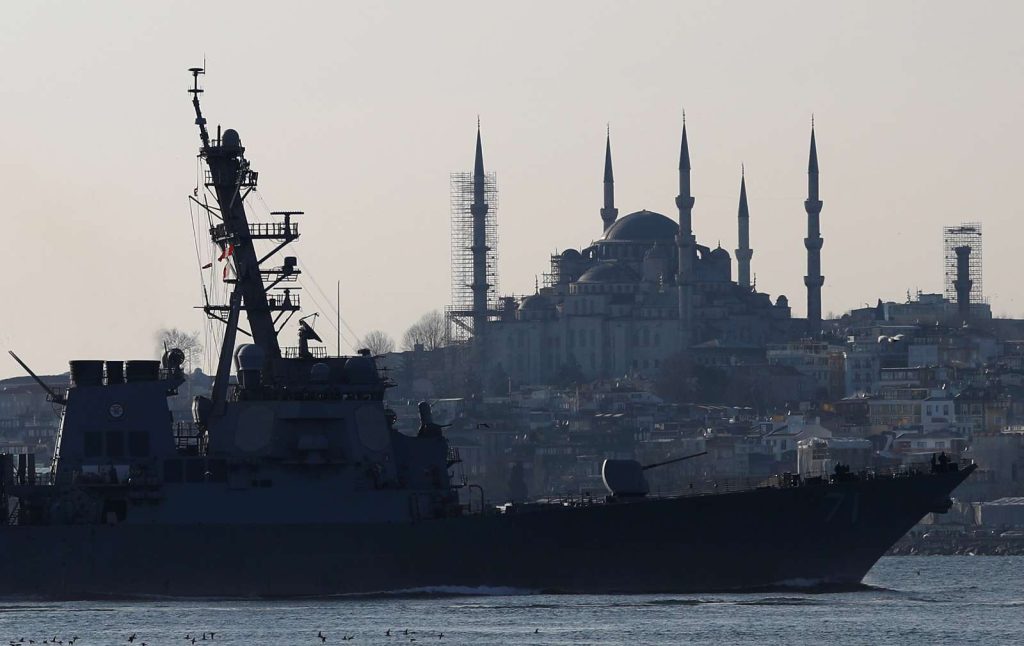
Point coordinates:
pixel 195 91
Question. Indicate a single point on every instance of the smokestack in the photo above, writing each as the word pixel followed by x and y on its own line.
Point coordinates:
pixel 963 282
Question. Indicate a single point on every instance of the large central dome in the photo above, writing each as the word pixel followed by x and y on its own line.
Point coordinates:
pixel 642 226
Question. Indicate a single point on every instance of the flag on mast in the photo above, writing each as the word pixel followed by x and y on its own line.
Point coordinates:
pixel 225 254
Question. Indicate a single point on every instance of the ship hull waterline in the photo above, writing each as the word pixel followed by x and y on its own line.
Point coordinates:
pixel 799 536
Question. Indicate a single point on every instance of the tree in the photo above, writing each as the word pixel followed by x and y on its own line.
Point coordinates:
pixel 674 381
pixel 429 332
pixel 569 373
pixel 187 342
pixel 378 343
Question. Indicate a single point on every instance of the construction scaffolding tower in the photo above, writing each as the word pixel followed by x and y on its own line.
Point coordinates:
pixel 967 234
pixel 472 265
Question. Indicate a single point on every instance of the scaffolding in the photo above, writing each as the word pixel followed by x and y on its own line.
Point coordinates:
pixel 465 258
pixel 967 234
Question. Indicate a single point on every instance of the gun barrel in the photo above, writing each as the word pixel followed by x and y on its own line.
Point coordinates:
pixel 673 460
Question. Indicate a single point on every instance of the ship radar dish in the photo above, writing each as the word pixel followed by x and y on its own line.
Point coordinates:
pixel 307 332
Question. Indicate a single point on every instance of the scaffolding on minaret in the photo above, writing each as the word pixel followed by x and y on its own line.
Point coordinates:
pixel 967 234
pixel 472 265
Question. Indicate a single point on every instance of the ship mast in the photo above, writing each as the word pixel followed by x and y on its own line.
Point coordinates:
pixel 230 179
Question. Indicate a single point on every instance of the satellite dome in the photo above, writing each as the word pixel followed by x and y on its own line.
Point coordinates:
pixel 230 139
pixel 360 370
pixel 249 356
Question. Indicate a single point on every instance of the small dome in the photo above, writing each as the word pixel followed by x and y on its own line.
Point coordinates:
pixel 536 302
pixel 719 254
pixel 571 254
pixel 608 272
pixel 642 225
pixel 781 301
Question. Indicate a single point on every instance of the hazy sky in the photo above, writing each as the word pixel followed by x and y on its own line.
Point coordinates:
pixel 357 113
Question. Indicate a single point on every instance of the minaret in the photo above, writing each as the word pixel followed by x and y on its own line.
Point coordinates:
pixel 686 244
pixel 963 282
pixel 744 252
pixel 479 212
pixel 609 212
pixel 813 280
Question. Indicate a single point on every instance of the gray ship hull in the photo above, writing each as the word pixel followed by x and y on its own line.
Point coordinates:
pixel 824 534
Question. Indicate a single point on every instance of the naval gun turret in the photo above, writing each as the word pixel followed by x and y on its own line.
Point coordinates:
pixel 625 479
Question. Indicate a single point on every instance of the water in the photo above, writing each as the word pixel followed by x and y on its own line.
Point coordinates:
pixel 916 600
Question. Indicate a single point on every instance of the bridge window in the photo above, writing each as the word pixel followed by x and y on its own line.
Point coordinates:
pixel 93 444
pixel 115 444
pixel 138 444
pixel 195 470
pixel 173 471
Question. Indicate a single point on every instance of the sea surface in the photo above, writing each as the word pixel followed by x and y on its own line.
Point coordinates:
pixel 906 600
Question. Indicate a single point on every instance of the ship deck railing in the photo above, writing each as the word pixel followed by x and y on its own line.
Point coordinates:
pixel 714 486
pixel 315 352
pixel 189 438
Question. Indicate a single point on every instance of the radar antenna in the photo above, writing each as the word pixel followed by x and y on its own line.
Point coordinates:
pixel 195 91
pixel 307 334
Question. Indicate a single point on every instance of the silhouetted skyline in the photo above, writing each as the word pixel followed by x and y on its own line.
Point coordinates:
pixel 357 114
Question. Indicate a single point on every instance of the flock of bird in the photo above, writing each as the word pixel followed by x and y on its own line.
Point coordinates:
pixel 411 635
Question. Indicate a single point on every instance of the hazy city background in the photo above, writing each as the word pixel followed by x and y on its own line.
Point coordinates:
pixel 358 113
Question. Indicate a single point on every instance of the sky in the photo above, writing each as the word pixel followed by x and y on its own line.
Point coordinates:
pixel 357 112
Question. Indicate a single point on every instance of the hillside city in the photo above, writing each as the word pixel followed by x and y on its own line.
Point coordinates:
pixel 641 345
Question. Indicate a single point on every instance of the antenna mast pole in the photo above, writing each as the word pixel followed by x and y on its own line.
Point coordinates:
pixel 337 312
pixel 195 91
pixel 231 178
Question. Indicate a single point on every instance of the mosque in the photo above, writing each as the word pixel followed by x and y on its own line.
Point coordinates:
pixel 645 290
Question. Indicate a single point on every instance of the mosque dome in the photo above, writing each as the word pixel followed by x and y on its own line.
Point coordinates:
pixel 536 302
pixel 571 254
pixel 642 225
pixel 608 272
pixel 719 254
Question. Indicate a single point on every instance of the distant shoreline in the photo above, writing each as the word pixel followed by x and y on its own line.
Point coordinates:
pixel 953 544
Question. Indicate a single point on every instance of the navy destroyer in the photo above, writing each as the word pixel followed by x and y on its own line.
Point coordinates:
pixel 291 479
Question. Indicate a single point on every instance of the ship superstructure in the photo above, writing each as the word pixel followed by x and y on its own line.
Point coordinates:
pixel 291 478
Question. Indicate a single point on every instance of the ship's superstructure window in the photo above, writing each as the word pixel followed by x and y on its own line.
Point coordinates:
pixel 174 471
pixel 138 444
pixel 115 444
pixel 93 444
pixel 194 470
